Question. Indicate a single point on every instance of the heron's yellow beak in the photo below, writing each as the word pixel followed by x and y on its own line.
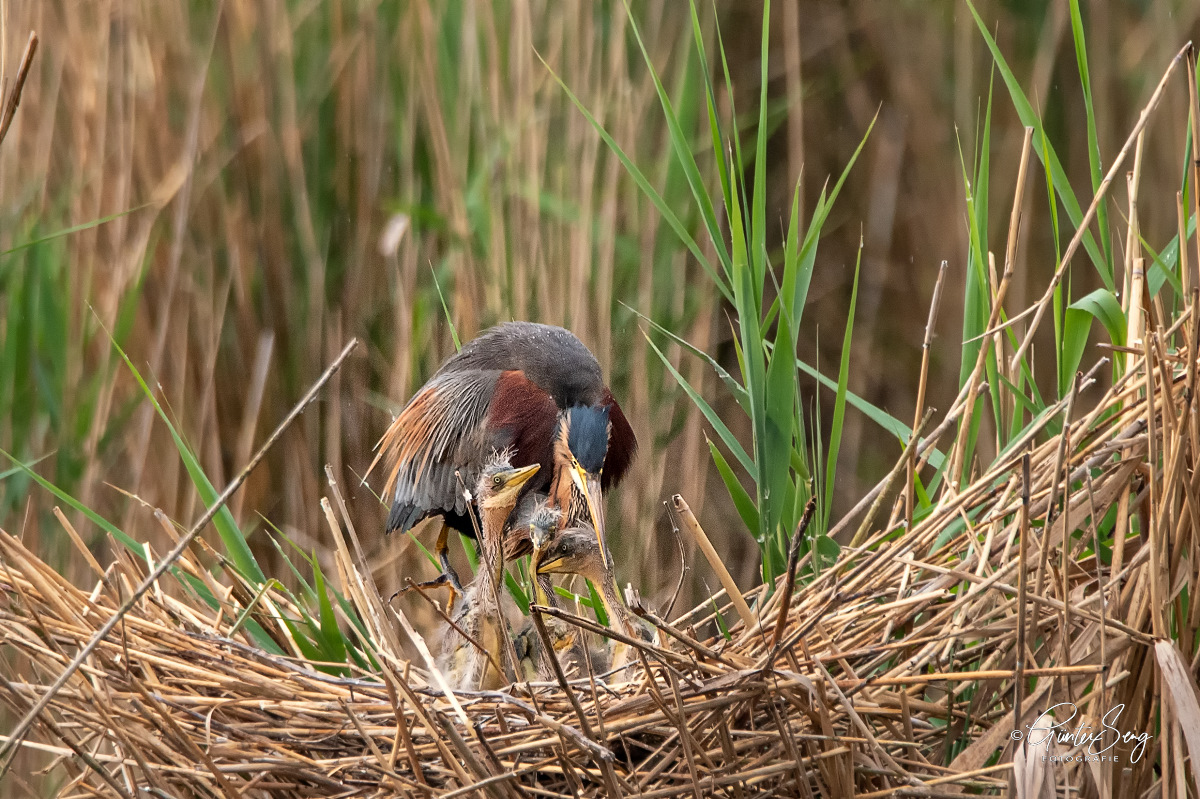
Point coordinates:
pixel 513 480
pixel 518 477
pixel 543 598
pixel 580 478
pixel 548 567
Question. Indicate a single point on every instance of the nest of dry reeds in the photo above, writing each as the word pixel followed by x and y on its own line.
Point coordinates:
pixel 895 671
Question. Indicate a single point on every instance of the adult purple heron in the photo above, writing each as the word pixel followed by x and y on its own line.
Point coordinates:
pixel 532 389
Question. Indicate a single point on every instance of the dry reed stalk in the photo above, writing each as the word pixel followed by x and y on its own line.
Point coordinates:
pixel 1039 308
pixel 957 467
pixel 922 379
pixel 14 95
pixel 700 538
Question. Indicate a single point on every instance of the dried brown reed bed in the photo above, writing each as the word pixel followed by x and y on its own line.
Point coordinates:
pixel 892 673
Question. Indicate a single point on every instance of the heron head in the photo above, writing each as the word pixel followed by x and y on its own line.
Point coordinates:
pixel 584 432
pixel 543 526
pixel 500 483
pixel 573 551
pixel 586 429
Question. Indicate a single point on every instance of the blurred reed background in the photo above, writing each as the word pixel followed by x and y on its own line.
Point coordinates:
pixel 277 177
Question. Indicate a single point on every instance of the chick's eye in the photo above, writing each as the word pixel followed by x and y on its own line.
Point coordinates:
pixel 497 481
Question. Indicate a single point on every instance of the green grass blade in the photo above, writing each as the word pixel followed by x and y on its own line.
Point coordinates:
pixel 714 124
pixel 333 643
pixel 668 214
pixel 58 234
pixel 445 310
pixel 517 592
pixel 235 543
pixel 734 151
pixel 1030 119
pixel 1104 306
pixel 806 258
pixel 96 519
pixel 839 404
pixel 1166 263
pixel 727 437
pixel 682 150
pixel 758 216
pixel 597 603
pixel 720 620
pixel 1093 138
pixel 779 407
pixel 885 420
pixel 741 499
pixel 21 468
pixel 746 295
pixel 975 300
pixel 1160 272
pixel 735 388
pixel 792 295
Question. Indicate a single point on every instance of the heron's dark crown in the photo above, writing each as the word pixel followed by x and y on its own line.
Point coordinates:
pixel 546 518
pixel 587 435
pixel 544 525
pixel 499 463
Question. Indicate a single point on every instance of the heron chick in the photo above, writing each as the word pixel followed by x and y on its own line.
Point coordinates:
pixel 475 661
pixel 576 551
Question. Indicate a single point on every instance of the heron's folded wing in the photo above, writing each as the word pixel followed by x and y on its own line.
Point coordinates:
pixel 450 428
pixel 436 434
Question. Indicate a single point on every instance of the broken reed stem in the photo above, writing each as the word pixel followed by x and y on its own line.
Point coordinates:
pixel 692 525
pixel 957 467
pixel 1194 109
pixel 22 728
pixel 909 449
pixel 925 448
pixel 1185 271
pixel 1101 590
pixel 14 96
pixel 1147 526
pixel 1022 591
pixel 922 379
pixel 1064 469
pixel 1060 456
pixel 684 568
pixel 789 583
pixel 987 674
pixel 1133 233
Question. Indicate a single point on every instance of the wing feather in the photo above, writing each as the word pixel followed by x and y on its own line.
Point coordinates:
pixel 452 425
pixel 442 430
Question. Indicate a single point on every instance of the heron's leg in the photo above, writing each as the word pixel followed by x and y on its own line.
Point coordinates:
pixel 443 552
pixel 448 579
pixel 441 581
